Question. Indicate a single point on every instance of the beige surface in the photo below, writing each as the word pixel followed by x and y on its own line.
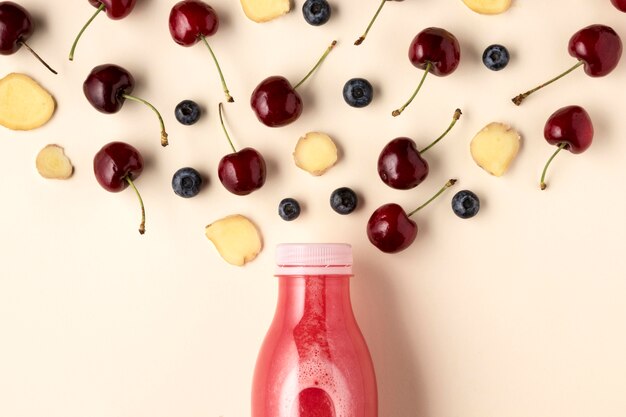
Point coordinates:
pixel 519 312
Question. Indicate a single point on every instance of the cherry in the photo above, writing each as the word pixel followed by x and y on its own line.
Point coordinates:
pixel 400 164
pixel 16 26
pixel 619 4
pixel 275 102
pixel 192 21
pixel 116 166
pixel 369 26
pixel 568 128
pixel 391 229
pixel 597 47
pixel 436 51
pixel 115 10
pixel 241 172
pixel 107 88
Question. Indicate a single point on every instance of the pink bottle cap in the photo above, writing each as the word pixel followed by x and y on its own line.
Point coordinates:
pixel 314 259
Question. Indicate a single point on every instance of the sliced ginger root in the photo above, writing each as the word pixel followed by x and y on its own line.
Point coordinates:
pixel 265 10
pixel 236 238
pixel 52 163
pixel 495 147
pixel 315 153
pixel 24 104
pixel 488 6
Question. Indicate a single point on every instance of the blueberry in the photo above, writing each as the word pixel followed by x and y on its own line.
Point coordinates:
pixel 187 182
pixel 358 92
pixel 316 12
pixel 187 112
pixel 344 200
pixel 496 57
pixel 289 209
pixel 465 204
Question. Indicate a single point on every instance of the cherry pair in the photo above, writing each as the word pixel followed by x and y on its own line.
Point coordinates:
pixel 190 22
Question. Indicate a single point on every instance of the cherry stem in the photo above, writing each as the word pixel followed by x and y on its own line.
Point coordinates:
pixel 519 99
pixel 449 184
pixel 362 38
pixel 38 57
pixel 219 70
pixel 399 111
pixel 100 8
pixel 224 128
pixel 319 62
pixel 164 141
pixel 142 226
pixel 455 118
pixel 542 184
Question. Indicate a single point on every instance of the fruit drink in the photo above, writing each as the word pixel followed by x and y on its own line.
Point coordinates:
pixel 314 361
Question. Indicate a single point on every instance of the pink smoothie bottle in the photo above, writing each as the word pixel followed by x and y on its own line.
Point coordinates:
pixel 314 361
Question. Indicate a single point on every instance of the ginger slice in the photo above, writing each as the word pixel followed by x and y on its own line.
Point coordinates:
pixel 236 238
pixel 52 163
pixel 24 104
pixel 315 153
pixel 265 10
pixel 495 147
pixel 488 6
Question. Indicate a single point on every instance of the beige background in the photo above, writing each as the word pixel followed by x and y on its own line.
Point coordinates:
pixel 519 312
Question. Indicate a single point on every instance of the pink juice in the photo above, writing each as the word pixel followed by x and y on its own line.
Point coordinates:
pixel 314 361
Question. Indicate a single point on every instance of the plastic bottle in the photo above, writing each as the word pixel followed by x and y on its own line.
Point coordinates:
pixel 314 361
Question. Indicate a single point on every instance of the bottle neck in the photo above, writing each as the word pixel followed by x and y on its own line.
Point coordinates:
pixel 324 297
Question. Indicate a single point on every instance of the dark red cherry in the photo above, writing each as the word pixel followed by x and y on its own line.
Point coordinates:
pixel 619 4
pixel 108 86
pixel 116 166
pixel 435 51
pixel 568 128
pixel 16 27
pixel 116 162
pixel 391 229
pixel 571 126
pixel 401 165
pixel 241 172
pixel 597 47
pixel 275 102
pixel 115 9
pixel 192 21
